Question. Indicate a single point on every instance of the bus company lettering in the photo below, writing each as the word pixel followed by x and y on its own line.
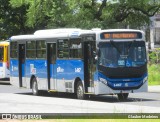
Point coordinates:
pixel 59 69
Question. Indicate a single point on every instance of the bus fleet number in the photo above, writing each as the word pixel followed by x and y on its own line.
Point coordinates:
pixel 77 69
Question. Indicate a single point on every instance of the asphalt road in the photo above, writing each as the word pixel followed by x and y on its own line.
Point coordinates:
pixel 15 100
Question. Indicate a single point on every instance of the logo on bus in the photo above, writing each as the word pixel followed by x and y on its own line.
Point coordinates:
pixel 59 69
pixel 104 81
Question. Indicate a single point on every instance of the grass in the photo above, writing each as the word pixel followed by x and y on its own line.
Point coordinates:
pixel 154 74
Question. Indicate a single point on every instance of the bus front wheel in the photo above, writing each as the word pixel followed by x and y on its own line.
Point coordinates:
pixel 34 87
pixel 80 91
pixel 122 96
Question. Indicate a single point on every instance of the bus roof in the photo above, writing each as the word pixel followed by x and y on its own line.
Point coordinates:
pixel 4 43
pixel 52 33
pixel 55 31
pixel 65 32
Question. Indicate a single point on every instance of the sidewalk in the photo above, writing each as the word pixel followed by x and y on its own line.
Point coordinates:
pixel 154 88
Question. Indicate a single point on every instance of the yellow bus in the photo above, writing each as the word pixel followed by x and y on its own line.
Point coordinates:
pixel 4 60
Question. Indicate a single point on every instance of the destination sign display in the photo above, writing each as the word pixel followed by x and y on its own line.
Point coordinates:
pixel 121 35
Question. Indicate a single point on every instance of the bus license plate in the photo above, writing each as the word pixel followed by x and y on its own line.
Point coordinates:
pixel 126 91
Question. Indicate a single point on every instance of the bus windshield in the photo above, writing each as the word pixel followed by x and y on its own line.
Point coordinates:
pixel 122 54
pixel 1 53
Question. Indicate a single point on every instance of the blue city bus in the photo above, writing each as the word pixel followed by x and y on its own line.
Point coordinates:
pixel 83 62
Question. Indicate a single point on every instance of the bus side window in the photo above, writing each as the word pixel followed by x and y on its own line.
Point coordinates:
pixel 63 48
pixel 31 49
pixel 13 50
pixel 1 53
pixel 75 48
pixel 41 49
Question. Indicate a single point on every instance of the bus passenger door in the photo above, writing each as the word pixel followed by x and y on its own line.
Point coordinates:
pixel 89 66
pixel 51 61
pixel 21 64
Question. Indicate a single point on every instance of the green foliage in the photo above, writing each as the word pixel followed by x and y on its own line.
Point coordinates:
pixel 154 67
pixel 154 56
pixel 12 20
pixel 26 16
pixel 88 13
pixel 18 3
pixel 154 74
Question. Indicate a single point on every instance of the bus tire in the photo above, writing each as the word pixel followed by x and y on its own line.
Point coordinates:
pixel 80 91
pixel 122 96
pixel 35 87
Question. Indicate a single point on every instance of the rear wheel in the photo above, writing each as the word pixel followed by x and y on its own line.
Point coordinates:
pixel 35 87
pixel 80 91
pixel 35 90
pixel 123 96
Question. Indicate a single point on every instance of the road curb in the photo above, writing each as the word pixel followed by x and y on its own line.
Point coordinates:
pixel 154 88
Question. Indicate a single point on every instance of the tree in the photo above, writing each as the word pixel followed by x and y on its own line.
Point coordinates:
pixel 135 12
pixel 12 21
pixel 88 13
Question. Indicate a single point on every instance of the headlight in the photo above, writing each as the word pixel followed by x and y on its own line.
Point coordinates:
pixel 145 79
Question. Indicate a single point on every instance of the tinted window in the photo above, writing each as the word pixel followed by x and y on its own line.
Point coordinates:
pixel 63 48
pixel 31 49
pixel 41 49
pixel 122 54
pixel 13 50
pixel 70 48
pixel 75 48
pixel 1 53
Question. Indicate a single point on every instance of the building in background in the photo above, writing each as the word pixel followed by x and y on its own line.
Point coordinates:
pixel 155 31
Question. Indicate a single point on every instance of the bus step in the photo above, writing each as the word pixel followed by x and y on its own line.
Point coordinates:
pixel 52 90
pixel 89 93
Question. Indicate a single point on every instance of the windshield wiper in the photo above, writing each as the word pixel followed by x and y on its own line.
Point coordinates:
pixel 130 45
pixel 113 44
